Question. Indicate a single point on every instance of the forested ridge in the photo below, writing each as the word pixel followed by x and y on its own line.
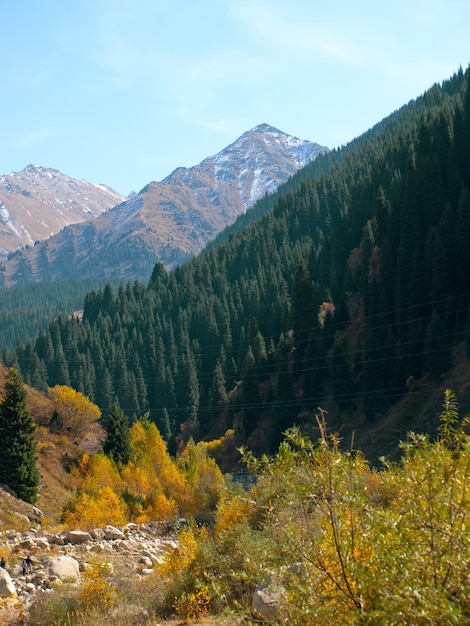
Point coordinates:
pixel 353 286
pixel 27 309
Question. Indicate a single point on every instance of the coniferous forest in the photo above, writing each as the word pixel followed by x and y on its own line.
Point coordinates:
pixel 345 290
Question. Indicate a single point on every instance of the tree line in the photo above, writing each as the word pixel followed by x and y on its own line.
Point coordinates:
pixel 28 309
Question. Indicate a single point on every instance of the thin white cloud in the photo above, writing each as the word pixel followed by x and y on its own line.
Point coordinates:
pixel 298 34
pixel 36 136
pixel 380 40
pixel 144 40
pixel 229 67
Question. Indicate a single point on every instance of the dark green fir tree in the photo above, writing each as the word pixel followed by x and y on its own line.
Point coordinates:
pixel 18 468
pixel 117 442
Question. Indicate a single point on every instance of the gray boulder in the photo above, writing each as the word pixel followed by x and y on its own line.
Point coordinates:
pixel 266 601
pixel 97 533
pixel 111 532
pixel 64 567
pixel 77 536
pixel 7 586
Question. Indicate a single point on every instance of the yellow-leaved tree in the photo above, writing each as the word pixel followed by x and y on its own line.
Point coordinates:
pixel 99 501
pixel 155 487
pixel 202 474
pixel 103 508
pixel 100 471
pixel 151 454
pixel 74 414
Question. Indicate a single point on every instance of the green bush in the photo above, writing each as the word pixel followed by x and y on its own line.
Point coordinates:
pixel 349 544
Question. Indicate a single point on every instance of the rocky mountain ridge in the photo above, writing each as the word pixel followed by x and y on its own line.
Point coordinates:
pixel 255 164
pixel 171 220
pixel 38 202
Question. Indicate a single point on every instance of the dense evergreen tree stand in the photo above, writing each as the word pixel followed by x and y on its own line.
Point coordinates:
pixel 117 443
pixel 18 467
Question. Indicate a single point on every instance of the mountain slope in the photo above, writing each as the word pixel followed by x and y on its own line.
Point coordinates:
pixel 38 202
pixel 171 220
pixel 350 295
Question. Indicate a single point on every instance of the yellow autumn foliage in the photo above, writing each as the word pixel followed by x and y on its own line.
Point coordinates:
pixel 178 560
pixel 164 466
pixel 215 447
pixel 151 456
pixel 75 411
pixel 140 482
pixel 202 474
pixel 152 484
pixel 101 471
pixel 95 590
pixel 231 510
pixel 193 605
pixel 163 508
pixel 91 511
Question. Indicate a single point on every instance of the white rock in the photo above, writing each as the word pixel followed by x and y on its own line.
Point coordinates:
pixel 146 572
pixel 111 532
pixel 65 567
pixel 7 586
pixel 42 543
pixel 77 536
pixel 97 533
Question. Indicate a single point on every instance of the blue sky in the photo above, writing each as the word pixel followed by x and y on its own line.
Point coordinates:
pixel 121 92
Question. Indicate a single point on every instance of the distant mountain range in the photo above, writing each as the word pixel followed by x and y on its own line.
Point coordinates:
pixel 38 202
pixel 79 229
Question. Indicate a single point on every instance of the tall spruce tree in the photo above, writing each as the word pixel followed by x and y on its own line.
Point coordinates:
pixel 251 400
pixel 117 442
pixel 18 467
pixel 218 394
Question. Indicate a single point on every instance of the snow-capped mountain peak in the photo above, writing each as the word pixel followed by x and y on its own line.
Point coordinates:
pixel 259 161
pixel 167 222
pixel 38 202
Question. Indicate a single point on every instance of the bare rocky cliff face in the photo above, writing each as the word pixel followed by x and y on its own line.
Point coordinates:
pixel 38 202
pixel 171 220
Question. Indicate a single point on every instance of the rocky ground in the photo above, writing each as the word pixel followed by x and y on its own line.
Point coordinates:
pixel 62 557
